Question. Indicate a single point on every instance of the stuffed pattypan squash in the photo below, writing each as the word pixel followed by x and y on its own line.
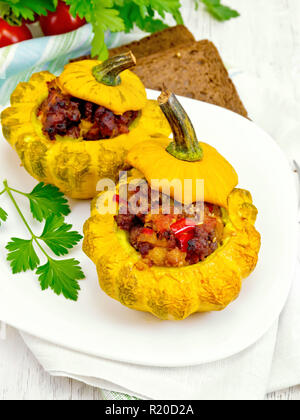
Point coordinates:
pixel 72 130
pixel 187 259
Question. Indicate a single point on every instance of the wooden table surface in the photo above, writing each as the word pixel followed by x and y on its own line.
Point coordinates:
pixel 265 41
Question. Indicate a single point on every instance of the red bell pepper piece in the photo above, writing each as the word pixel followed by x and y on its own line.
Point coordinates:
pixel 183 226
pixel 184 239
pixel 210 207
pixel 147 231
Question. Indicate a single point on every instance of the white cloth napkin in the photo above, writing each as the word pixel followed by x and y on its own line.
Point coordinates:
pixel 273 363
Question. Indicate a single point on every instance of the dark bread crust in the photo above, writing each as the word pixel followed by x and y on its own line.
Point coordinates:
pixel 157 42
pixel 195 70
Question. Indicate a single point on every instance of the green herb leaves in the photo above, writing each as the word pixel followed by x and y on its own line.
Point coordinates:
pixel 61 276
pixel 58 237
pixel 141 16
pixel 103 15
pixel 46 203
pixel 3 215
pixel 22 255
pixel 122 15
pixel 46 200
pixel 103 18
pixel 115 15
pixel 218 11
pixel 27 8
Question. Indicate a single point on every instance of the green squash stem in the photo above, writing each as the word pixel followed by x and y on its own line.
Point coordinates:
pixel 108 72
pixel 185 145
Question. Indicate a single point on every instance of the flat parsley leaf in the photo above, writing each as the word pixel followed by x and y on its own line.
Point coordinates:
pixel 46 200
pixel 218 11
pixel 122 15
pixel 103 15
pixel 61 276
pixel 151 25
pixel 103 18
pixel 22 255
pixel 3 215
pixel 27 8
pixel 57 235
pixel 82 8
pixel 197 4
pixel 168 6
pixel 132 14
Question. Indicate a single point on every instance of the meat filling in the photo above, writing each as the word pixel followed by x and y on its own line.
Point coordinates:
pixel 173 240
pixel 64 115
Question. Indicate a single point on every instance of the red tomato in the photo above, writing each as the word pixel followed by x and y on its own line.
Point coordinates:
pixel 12 34
pixel 60 21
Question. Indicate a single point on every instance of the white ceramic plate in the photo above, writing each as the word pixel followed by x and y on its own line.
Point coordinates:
pixel 102 327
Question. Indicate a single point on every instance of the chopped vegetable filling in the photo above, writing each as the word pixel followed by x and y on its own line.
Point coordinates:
pixel 64 115
pixel 172 240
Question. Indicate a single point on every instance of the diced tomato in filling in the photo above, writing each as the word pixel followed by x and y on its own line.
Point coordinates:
pixel 183 226
pixel 64 115
pixel 147 231
pixel 183 240
pixel 173 240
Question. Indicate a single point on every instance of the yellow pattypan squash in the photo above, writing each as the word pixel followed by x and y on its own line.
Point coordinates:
pixel 128 95
pixel 174 293
pixel 74 165
pixel 184 160
pixel 218 175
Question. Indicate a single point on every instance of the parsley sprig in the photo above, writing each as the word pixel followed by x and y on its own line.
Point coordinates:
pixel 114 15
pixel 46 203
pixel 148 15
pixel 27 8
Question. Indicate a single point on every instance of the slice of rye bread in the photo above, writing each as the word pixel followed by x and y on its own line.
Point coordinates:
pixel 157 42
pixel 196 71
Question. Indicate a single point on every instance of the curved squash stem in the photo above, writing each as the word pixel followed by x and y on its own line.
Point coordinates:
pixel 185 145
pixel 108 72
